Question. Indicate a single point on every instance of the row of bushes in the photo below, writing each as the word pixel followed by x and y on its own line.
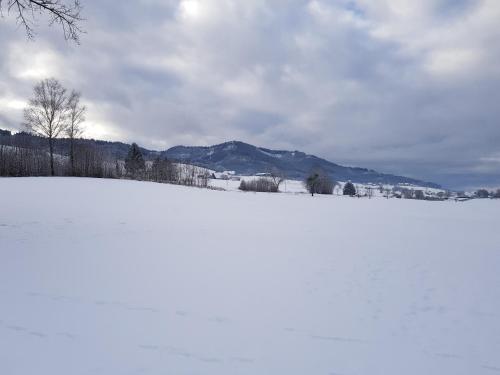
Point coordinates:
pixel 262 184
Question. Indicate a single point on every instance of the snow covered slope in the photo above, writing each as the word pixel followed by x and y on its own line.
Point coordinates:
pixel 124 277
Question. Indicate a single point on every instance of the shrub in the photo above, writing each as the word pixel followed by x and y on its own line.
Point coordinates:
pixel 482 193
pixel 497 194
pixel 262 184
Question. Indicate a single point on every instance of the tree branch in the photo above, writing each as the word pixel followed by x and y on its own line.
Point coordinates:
pixel 68 16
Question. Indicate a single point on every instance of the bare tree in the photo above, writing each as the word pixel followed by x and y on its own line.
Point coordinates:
pixel 46 114
pixel 387 193
pixel 74 129
pixel 90 162
pixel 319 182
pixel 66 15
pixel 163 170
pixel 261 184
pixel 277 178
pixel 369 191
pixel 418 194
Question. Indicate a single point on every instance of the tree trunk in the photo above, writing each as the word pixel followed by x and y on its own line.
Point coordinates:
pixel 72 156
pixel 51 150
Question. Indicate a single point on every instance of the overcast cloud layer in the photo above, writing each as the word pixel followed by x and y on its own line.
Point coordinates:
pixel 408 87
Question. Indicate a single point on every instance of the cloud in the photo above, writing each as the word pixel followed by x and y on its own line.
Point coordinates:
pixel 409 87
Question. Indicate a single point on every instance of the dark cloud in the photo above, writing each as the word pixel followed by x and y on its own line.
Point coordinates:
pixel 404 87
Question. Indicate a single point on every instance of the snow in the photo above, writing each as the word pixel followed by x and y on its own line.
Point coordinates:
pixel 229 147
pixel 296 186
pixel 124 277
pixel 272 154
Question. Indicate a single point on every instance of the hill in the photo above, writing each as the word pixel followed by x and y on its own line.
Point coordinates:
pixel 246 159
pixel 243 158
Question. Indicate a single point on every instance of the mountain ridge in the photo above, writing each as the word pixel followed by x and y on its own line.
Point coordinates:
pixel 247 159
pixel 238 156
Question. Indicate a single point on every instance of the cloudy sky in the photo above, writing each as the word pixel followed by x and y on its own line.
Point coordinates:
pixel 402 86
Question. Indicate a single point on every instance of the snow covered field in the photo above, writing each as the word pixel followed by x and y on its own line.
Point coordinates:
pixel 122 277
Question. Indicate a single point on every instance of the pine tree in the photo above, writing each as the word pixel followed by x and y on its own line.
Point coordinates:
pixel 349 189
pixel 134 162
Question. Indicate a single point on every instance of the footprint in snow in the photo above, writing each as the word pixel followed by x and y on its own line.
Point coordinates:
pixel 16 328
pixel 243 359
pixel 149 347
pixel 491 368
pixel 447 355
pixel 336 338
pixel 67 335
pixel 210 359
pixel 38 334
pixel 219 319
pixel 139 308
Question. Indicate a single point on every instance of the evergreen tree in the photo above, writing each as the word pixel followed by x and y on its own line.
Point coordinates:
pixel 134 162
pixel 349 189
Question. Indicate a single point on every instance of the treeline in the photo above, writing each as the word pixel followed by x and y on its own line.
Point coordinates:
pixel 24 155
pixel 161 170
pixel 53 145
pixel 483 193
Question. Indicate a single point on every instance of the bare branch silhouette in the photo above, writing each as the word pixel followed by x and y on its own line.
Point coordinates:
pixel 68 16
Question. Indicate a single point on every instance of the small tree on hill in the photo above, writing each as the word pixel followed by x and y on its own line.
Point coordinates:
pixel 134 162
pixel 47 113
pixel 349 189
